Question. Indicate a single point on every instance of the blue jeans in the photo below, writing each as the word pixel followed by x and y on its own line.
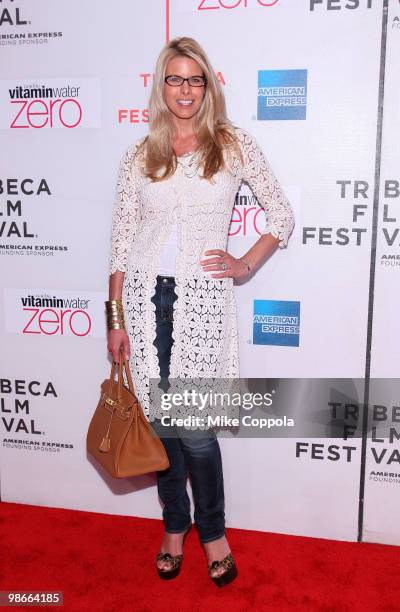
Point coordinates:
pixel 198 456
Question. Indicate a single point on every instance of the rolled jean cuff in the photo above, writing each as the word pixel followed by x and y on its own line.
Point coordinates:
pixel 179 530
pixel 212 538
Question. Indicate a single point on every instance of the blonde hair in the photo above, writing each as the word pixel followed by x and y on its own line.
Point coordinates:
pixel 213 129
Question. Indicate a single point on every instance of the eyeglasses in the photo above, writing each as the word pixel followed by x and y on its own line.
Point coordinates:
pixel 194 81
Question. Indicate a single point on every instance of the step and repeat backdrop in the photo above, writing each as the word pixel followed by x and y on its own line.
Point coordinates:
pixel 316 82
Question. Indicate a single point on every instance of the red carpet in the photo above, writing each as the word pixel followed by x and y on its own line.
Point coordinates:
pixel 106 563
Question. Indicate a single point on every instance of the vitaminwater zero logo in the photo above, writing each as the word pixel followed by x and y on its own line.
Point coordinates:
pixel 282 94
pixel 54 313
pixel 207 5
pixel 53 104
pixel 276 322
pixel 248 217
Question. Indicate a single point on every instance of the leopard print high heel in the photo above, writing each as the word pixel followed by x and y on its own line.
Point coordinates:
pixel 230 573
pixel 173 571
pixel 174 560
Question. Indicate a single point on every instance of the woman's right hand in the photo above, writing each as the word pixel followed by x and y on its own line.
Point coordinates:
pixel 118 340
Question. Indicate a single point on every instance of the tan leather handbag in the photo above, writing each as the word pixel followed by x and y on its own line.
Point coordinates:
pixel 119 435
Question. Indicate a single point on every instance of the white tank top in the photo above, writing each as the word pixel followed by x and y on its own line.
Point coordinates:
pixel 167 261
pixel 167 265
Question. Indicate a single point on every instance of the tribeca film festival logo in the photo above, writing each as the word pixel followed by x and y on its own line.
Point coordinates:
pixel 13 19
pixel 50 104
pixel 11 14
pixel 357 194
pixel 338 5
pixel 54 313
pixel 276 322
pixel 282 94
pixel 385 436
pixel 344 418
pixel 349 190
pixel 390 225
pixel 16 398
pixel 17 230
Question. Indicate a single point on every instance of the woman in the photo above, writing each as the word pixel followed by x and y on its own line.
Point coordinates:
pixel 172 278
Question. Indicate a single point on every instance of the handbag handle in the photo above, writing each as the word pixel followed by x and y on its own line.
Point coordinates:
pixel 122 365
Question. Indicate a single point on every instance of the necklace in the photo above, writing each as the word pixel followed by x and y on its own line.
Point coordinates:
pixel 189 163
pixel 186 154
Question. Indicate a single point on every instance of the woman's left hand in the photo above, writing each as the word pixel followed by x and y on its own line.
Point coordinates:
pixel 224 265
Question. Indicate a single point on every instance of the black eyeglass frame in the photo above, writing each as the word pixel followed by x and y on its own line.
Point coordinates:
pixel 186 79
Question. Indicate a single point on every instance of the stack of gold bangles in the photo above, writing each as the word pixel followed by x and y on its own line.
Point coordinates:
pixel 115 314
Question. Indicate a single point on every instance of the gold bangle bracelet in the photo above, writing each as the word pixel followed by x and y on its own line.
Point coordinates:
pixel 112 305
pixel 117 326
pixel 115 314
pixel 110 323
pixel 111 312
pixel 114 308
pixel 115 317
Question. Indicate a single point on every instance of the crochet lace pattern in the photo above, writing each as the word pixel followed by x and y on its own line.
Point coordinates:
pixel 205 319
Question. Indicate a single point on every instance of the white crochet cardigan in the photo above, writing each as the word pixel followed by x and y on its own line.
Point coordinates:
pixel 205 325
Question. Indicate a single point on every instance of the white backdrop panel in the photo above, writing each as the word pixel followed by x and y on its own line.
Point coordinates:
pixel 110 53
